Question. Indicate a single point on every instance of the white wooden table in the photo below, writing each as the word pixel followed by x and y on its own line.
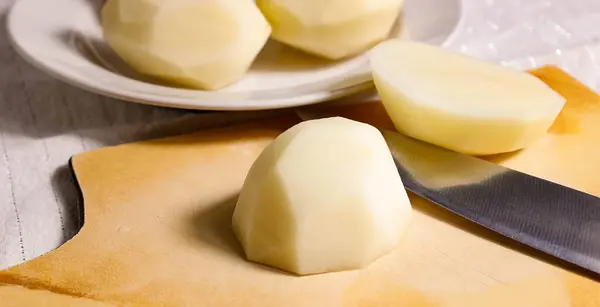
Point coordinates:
pixel 43 122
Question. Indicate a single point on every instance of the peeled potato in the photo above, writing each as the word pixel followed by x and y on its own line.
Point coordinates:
pixel 332 29
pixel 461 103
pixel 324 196
pixel 201 44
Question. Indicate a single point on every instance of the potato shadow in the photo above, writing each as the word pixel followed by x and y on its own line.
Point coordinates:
pixel 100 54
pixel 277 57
pixel 212 226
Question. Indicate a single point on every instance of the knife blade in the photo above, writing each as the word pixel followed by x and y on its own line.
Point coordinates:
pixel 552 218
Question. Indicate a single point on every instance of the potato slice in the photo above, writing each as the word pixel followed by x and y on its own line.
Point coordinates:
pixel 461 103
pixel 324 196
pixel 332 29
pixel 201 44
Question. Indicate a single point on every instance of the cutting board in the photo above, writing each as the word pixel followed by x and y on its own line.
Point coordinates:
pixel 157 231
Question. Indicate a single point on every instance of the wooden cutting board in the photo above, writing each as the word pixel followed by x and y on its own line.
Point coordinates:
pixel 157 231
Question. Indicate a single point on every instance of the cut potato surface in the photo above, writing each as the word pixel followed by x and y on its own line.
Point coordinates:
pixel 201 44
pixel 461 103
pixel 324 196
pixel 332 29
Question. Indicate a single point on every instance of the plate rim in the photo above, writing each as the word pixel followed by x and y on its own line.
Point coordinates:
pixel 99 88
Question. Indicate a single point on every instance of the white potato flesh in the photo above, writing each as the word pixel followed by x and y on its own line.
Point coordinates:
pixel 324 196
pixel 205 44
pixel 332 29
pixel 461 103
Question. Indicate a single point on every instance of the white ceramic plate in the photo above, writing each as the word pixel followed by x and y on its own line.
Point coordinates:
pixel 64 38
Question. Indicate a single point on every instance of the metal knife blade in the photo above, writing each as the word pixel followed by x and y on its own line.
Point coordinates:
pixel 547 216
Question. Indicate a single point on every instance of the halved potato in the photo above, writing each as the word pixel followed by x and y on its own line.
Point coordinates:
pixel 461 103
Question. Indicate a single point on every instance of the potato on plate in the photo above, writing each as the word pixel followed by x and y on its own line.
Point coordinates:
pixel 333 29
pixel 200 44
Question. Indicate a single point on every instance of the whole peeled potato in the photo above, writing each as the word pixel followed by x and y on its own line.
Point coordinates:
pixel 324 196
pixel 205 44
pixel 332 29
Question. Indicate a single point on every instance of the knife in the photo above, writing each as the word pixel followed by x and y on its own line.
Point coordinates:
pixel 552 218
